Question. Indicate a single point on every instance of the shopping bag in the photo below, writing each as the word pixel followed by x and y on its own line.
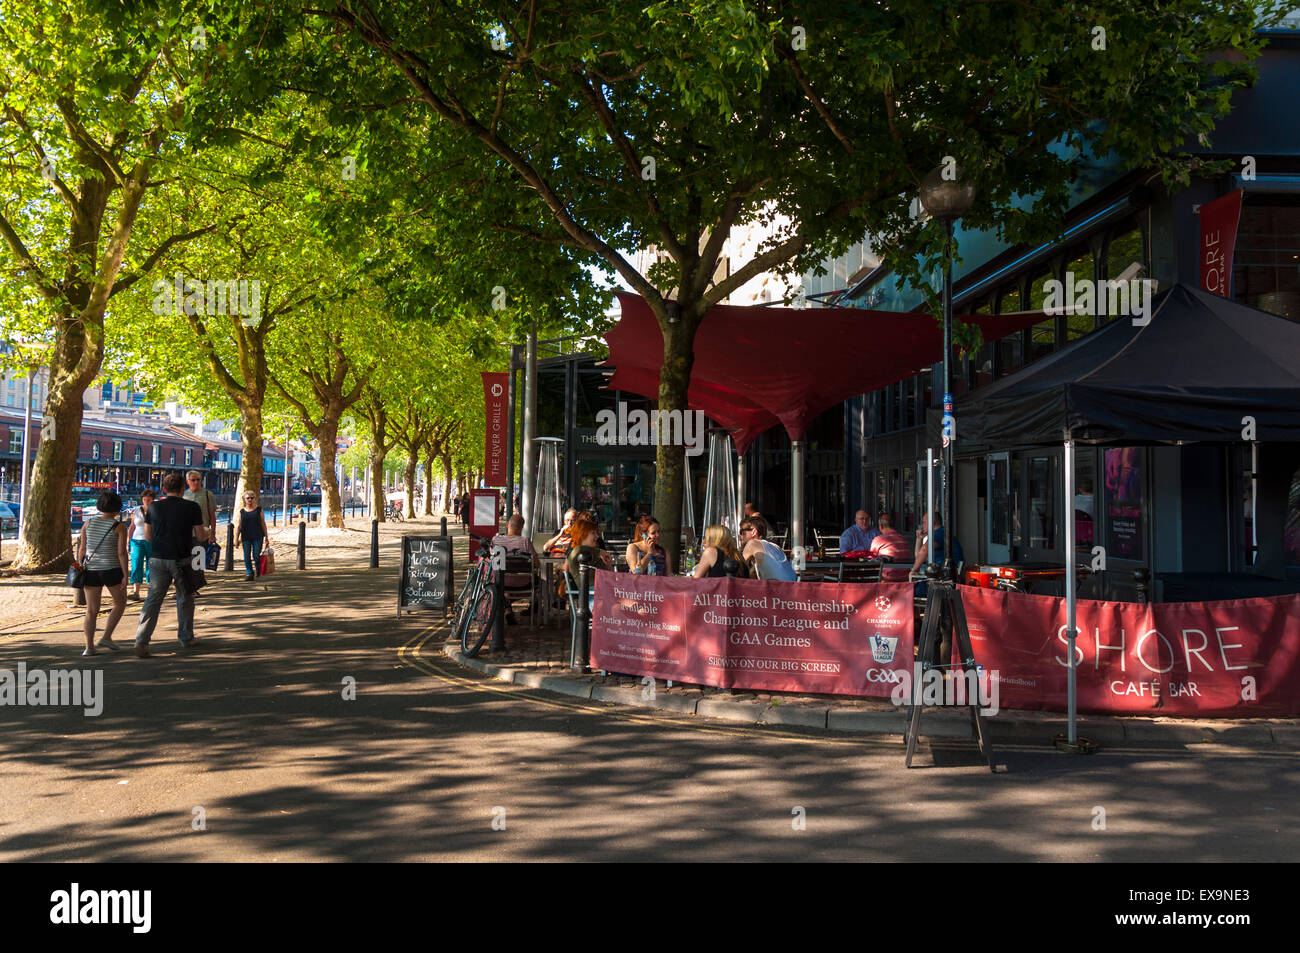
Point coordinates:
pixel 266 565
pixel 213 555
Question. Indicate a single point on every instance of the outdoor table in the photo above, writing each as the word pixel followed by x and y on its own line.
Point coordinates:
pixel 550 563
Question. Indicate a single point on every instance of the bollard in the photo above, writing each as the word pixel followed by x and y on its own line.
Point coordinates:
pixel 443 527
pixel 1143 579
pixel 230 545
pixel 580 651
pixel 374 544
pixel 302 545
pixel 730 567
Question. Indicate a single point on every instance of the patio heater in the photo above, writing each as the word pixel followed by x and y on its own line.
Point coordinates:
pixel 548 509
pixel 691 545
pixel 720 492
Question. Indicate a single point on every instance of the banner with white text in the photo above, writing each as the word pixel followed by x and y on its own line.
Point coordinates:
pixel 828 638
pixel 1238 657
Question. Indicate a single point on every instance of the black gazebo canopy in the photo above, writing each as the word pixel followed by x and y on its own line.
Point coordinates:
pixel 1192 373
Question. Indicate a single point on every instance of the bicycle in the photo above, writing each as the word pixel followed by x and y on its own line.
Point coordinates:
pixel 476 608
pixel 393 513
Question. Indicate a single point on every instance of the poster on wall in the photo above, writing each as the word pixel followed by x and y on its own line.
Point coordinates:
pixel 1125 505
pixel 496 397
pixel 1219 221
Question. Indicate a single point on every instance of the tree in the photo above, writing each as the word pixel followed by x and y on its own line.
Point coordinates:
pixel 91 103
pixel 665 126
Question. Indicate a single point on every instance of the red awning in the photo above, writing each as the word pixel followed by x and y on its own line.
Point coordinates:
pixel 758 366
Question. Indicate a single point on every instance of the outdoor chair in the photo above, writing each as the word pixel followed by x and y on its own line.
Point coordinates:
pixel 518 565
pixel 852 570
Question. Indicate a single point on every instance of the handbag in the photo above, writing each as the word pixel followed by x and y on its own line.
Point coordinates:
pixel 266 565
pixel 195 579
pixel 76 577
pixel 212 552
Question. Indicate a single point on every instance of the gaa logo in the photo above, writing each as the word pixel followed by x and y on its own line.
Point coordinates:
pixel 882 603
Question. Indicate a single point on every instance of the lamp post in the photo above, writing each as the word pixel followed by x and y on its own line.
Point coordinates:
pixel 32 351
pixel 946 197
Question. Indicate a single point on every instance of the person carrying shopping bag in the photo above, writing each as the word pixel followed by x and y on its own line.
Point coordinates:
pixel 252 534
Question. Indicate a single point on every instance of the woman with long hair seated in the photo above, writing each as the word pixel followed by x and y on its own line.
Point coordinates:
pixel 586 540
pixel 644 554
pixel 719 546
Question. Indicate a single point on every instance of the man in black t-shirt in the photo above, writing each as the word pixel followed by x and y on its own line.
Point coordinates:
pixel 170 525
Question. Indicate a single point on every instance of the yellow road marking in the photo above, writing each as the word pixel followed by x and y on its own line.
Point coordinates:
pixel 409 654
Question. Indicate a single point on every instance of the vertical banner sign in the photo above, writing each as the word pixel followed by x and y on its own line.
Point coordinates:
pixel 1218 240
pixel 495 392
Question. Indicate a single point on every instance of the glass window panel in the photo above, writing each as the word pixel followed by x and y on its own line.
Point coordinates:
pixel 1042 336
pixel 1085 509
pixel 1291 533
pixel 1042 501
pixel 1009 354
pixel 1082 267
pixel 1266 272
pixel 1123 249
pixel 909 499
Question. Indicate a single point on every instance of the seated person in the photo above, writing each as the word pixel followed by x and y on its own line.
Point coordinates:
pixel 513 541
pixel 751 510
pixel 586 540
pixel 923 550
pixel 719 546
pixel 644 554
pixel 857 538
pixel 560 541
pixel 890 546
pixel 766 558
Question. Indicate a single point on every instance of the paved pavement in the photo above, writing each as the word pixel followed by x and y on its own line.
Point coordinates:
pixel 431 760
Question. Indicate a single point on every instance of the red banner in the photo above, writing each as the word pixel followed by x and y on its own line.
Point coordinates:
pixel 748 633
pixel 1218 240
pixel 496 396
pixel 1238 658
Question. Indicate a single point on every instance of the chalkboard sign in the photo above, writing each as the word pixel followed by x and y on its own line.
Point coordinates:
pixel 426 573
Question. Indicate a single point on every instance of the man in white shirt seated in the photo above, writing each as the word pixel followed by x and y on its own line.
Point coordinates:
pixel 513 541
pixel 766 557
pixel 857 538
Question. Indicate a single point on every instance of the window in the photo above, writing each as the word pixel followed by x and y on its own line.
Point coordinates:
pixel 1291 531
pixel 1082 267
pixel 171 457
pixel 117 449
pixel 15 441
pixel 156 453
pixel 94 450
pixel 139 454
pixel 1126 503
pixel 1123 249
pixel 1266 270
pixel 1085 508
pixel 1008 350
pixel 1043 474
pixel 1042 336
pixel 189 456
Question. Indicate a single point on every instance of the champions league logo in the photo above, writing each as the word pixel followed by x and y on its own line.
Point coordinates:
pixel 883 646
pixel 882 603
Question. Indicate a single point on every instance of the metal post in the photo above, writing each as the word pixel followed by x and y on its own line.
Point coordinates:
pixel 230 544
pixel 285 487
pixel 302 545
pixel 499 622
pixel 510 437
pixel 374 544
pixel 742 488
pixel 949 445
pixel 27 433
pixel 442 526
pixel 1071 597
pixel 529 476
pixel 796 493
pixel 929 499
pixel 581 650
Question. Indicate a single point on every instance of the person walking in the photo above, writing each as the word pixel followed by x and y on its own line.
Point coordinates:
pixel 101 549
pixel 252 534
pixel 207 504
pixel 171 525
pixel 140 548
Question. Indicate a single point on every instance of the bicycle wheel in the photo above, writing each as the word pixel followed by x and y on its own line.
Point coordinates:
pixel 478 625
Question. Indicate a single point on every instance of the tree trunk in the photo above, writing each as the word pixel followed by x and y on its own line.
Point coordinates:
pixel 331 502
pixel 411 461
pixel 674 379
pixel 43 544
pixel 428 485
pixel 377 475
pixel 250 467
pixel 446 482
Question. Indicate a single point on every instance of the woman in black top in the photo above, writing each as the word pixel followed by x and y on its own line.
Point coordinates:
pixel 719 546
pixel 252 533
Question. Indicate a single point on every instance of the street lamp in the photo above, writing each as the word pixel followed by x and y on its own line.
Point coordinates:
pixel 32 352
pixel 947 197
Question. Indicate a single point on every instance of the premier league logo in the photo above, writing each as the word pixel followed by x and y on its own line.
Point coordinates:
pixel 882 648
pixel 882 603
